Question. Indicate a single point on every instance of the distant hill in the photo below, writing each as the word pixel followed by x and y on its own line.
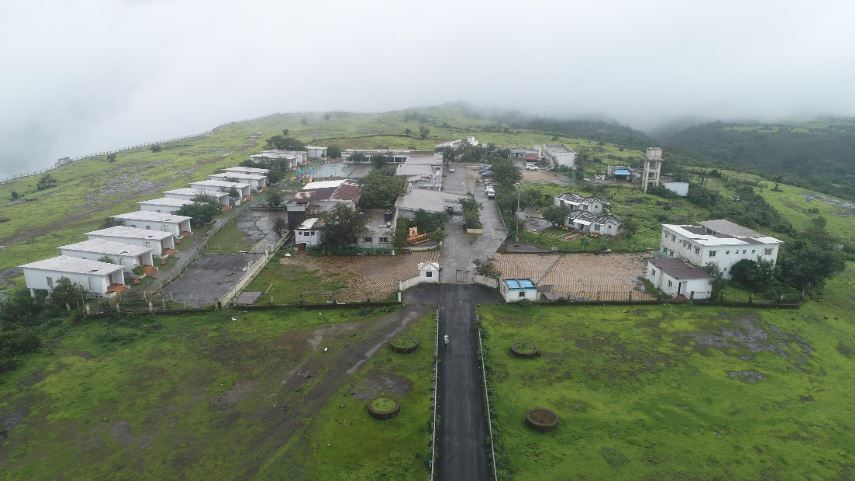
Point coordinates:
pixel 818 154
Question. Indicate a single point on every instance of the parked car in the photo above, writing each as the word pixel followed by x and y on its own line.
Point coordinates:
pixel 530 166
pixel 487 174
pixel 490 191
pixel 451 168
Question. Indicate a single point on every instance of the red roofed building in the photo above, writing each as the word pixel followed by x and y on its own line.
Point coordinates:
pixel 315 198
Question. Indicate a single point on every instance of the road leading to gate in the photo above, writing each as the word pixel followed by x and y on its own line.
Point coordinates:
pixel 462 445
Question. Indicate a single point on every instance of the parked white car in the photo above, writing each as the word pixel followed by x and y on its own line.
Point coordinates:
pixel 490 191
pixel 530 166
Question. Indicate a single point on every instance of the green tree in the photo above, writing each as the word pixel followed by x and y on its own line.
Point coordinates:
pixel 274 199
pixel 755 276
pixel 20 309
pixel 112 222
pixel 234 193
pixel 423 132
pixel 280 226
pixel 334 151
pixel 380 190
pixel 14 195
pixel 505 172
pixel 556 214
pixel 379 161
pixel 155 148
pixel 408 131
pixel 718 283
pixel 202 211
pixel 68 293
pixel 342 226
pixel 111 157
pixel 282 142
pixel 46 182
pixel 810 258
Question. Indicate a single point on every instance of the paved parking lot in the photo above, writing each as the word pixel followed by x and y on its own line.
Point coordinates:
pixel 580 276
pixel 367 277
pixel 209 278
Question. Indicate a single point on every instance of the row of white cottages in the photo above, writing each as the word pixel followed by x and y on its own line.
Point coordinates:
pixel 149 233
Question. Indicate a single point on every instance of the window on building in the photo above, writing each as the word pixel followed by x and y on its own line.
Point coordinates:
pixel 522 293
pixel 727 252
pixel 653 272
pixel 753 251
pixel 367 240
pixel 669 283
pixel 384 240
pixel 50 282
pixel 697 250
pixel 712 253
pixel 597 227
pixel 429 274
pixel 767 252
pixel 744 251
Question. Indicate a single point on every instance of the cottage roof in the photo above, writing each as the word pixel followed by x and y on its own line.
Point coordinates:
pixel 146 215
pixel 167 201
pixel 249 170
pixel 346 189
pixel 219 183
pixel 130 233
pixel 571 197
pixel 101 246
pixel 74 265
pixel 679 269
pixel 194 192
pixel 239 176
pixel 308 224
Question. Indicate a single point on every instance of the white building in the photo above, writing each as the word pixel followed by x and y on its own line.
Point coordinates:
pixel 192 194
pixel 395 156
pixel 212 187
pixel 676 277
pixel 428 272
pixel 308 233
pixel 515 290
pixel 128 256
pixel 316 151
pixel 177 225
pixel 720 242
pixel 380 229
pixel 559 155
pixel 247 170
pixel 595 224
pixel 652 167
pixel 256 181
pixel 679 188
pixel 595 205
pixel 428 200
pixel 315 198
pixel 161 243
pixel 164 205
pixel 98 279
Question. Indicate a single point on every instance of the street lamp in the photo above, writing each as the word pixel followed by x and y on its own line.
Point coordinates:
pixel 518 185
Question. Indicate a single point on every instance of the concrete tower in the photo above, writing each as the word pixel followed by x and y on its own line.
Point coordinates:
pixel 652 167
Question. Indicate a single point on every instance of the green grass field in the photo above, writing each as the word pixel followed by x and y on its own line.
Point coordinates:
pixel 345 443
pixel 678 392
pixel 209 396
pixel 291 284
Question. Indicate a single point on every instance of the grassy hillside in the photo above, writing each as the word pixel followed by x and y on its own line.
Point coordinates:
pixel 678 392
pixel 815 154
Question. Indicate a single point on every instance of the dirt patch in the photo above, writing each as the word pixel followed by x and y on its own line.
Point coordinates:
pixel 382 384
pixel 750 377
pixel 240 391
pixel 748 335
pixel 11 418
pixel 121 432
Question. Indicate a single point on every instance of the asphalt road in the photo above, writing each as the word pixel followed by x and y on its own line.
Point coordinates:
pixel 462 445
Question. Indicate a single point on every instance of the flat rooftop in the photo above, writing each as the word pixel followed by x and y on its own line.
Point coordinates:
pixel 251 170
pixel 219 183
pixel 700 235
pixel 74 265
pixel 167 201
pixel 194 192
pixel 130 233
pixel 147 215
pixel 239 175
pixel 101 246
pixel 429 200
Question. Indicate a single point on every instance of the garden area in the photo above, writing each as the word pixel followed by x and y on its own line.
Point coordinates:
pixel 675 392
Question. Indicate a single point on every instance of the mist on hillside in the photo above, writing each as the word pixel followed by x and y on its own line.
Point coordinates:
pixel 85 76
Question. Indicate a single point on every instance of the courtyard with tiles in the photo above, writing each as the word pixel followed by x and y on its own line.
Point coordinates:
pixel 322 279
pixel 588 277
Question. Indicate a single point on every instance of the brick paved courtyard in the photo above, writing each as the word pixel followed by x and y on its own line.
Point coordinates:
pixel 580 276
pixel 367 277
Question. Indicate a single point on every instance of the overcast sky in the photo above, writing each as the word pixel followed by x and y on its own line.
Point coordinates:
pixel 87 75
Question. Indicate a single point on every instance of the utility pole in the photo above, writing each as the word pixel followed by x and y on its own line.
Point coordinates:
pixel 517 229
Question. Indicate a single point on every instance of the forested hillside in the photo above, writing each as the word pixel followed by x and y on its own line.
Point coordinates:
pixel 819 154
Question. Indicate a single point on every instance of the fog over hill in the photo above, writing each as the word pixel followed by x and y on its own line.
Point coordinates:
pixel 82 76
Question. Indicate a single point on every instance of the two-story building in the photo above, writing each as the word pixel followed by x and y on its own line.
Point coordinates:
pixel 719 242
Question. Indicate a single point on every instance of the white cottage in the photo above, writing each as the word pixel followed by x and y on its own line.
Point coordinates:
pixel 177 225
pixel 247 170
pixel 256 181
pixel 128 256
pixel 162 243
pixel 676 277
pixel 164 205
pixel 316 151
pixel 192 194
pixel 308 233
pixel 98 279
pixel 212 187
pixel 515 290
pixel 428 272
